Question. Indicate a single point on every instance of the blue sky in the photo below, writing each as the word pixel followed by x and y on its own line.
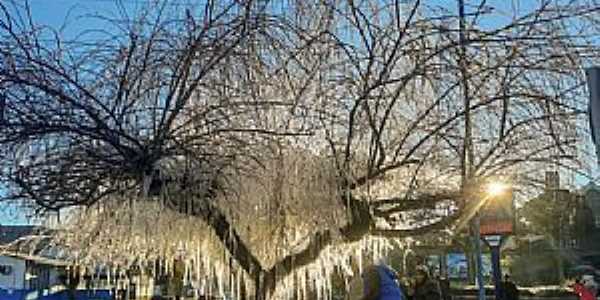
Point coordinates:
pixel 11 214
pixel 54 13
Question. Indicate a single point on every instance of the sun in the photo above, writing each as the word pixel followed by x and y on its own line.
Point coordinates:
pixel 496 188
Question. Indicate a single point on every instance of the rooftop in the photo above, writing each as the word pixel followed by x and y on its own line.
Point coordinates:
pixel 11 233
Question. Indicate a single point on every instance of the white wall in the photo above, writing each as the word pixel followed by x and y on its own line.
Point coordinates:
pixel 55 276
pixel 16 279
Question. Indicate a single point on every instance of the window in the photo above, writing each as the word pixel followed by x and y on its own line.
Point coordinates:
pixel 572 243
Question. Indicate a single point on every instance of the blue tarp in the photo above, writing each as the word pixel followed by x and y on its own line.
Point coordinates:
pixel 63 295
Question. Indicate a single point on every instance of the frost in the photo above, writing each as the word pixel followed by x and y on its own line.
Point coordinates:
pixel 154 238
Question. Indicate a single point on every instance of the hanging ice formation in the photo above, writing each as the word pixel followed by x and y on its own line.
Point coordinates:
pixel 153 238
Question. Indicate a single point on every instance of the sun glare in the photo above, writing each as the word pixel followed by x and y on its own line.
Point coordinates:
pixel 496 188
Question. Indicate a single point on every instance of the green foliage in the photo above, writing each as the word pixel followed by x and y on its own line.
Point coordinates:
pixel 548 214
pixel 536 268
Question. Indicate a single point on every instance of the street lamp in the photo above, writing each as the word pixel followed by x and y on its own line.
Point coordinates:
pixel 467 155
pixel 494 190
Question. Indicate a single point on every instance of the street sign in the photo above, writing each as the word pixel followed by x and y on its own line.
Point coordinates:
pixel 497 214
pixel 493 240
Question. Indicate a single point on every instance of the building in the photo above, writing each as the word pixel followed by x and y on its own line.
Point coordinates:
pixel 29 272
pixel 568 220
pixel 588 225
pixel 24 272
pixel 572 216
pixel 11 233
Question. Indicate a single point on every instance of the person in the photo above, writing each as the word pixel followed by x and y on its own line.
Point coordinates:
pixel 509 289
pixel 377 282
pixel 444 284
pixel 425 288
pixel 590 284
pixel 406 286
pixel 582 291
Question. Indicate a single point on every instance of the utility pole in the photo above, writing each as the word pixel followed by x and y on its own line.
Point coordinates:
pixel 495 243
pixel 467 154
pixel 479 263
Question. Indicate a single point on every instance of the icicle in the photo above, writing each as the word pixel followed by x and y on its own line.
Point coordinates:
pixel 380 249
pixel 303 281
pixel 203 289
pixel 209 283
pixel 326 283
pixel 290 287
pixel 346 284
pixel 377 249
pixel 220 282
pixel 168 266
pixel 108 277
pixel 247 285
pixel 231 284
pixel 324 280
pixel 359 258
pixel 207 266
pixel 296 285
pixel 198 261
pixel 286 288
pixel 115 275
pixel 319 294
pixel 238 285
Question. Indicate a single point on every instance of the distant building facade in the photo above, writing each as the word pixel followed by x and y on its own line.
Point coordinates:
pixel 28 272
pixel 24 272
pixel 579 222
pixel 588 224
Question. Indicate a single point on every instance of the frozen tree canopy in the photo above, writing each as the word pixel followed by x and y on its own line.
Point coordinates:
pixel 274 140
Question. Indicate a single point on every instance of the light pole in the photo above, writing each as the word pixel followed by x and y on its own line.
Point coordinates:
pixel 495 242
pixel 479 263
pixel 496 189
pixel 467 155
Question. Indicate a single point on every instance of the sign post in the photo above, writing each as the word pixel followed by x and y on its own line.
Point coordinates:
pixel 495 242
pixel 497 221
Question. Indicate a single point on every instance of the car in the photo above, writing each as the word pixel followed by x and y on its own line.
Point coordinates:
pixel 584 270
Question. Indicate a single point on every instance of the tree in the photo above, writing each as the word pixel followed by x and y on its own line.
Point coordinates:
pixel 549 214
pixel 246 115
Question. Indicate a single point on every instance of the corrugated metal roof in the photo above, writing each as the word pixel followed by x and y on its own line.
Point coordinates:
pixel 31 243
pixel 37 259
pixel 11 233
